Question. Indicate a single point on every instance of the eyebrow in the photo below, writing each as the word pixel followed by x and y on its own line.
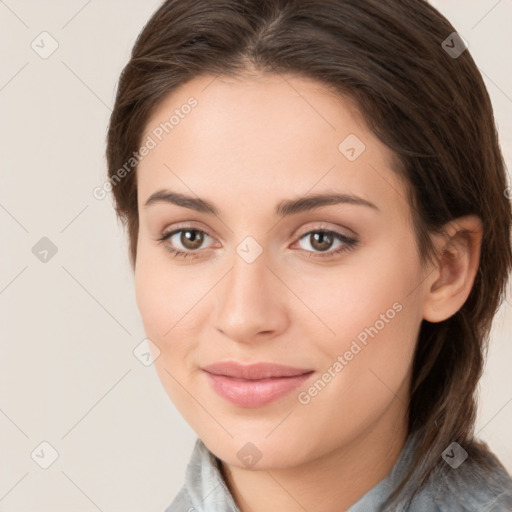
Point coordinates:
pixel 284 208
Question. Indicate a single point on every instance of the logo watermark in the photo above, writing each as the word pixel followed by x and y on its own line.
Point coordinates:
pixel 357 345
pixel 151 142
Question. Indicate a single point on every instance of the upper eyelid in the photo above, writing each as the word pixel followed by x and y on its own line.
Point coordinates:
pixel 323 227
pixel 190 227
pixel 297 234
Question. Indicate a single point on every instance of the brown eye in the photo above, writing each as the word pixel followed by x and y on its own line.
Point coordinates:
pixel 191 239
pixel 324 243
pixel 184 242
pixel 321 241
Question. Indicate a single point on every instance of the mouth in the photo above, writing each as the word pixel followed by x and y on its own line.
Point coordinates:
pixel 254 385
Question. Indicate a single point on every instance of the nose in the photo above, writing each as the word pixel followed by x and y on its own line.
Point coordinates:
pixel 251 302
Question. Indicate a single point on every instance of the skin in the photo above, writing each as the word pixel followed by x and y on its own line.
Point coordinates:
pixel 248 145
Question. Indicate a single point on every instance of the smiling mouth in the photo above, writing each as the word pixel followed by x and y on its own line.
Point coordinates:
pixel 254 385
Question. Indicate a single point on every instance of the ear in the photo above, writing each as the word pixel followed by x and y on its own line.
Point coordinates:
pixel 451 280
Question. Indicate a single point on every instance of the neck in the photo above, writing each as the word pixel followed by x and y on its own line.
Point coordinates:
pixel 331 482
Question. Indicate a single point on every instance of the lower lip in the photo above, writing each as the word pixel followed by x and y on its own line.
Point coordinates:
pixel 254 393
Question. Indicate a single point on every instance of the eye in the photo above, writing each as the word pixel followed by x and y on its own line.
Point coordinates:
pixel 322 240
pixel 191 239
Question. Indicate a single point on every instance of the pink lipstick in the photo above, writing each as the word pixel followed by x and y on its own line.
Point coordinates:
pixel 254 385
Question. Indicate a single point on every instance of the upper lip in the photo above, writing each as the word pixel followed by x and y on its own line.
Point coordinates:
pixel 254 371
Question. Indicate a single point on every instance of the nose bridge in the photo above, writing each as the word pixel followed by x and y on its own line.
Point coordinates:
pixel 249 302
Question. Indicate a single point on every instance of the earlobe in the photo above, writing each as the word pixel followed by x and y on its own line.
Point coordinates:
pixel 457 264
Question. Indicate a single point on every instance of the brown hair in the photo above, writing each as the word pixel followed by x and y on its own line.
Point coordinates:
pixel 430 108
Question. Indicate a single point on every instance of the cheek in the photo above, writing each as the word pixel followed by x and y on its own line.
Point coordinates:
pixel 165 299
pixel 165 295
pixel 367 365
pixel 163 310
pixel 373 318
pixel 153 297
pixel 354 295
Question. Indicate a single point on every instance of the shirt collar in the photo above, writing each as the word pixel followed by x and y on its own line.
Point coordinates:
pixel 205 486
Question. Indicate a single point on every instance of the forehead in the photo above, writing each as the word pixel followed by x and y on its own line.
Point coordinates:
pixel 263 112
pixel 260 136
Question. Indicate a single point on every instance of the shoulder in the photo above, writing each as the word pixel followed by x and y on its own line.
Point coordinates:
pixel 204 487
pixel 463 481
pixel 181 503
pixel 483 485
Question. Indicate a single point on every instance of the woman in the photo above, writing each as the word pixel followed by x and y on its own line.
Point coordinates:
pixel 317 263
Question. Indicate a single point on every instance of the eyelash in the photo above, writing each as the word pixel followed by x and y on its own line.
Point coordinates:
pixel 349 243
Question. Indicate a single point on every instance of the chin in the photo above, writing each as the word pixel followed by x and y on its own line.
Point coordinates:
pixel 259 452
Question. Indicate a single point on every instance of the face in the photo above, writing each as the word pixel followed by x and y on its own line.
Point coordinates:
pixel 269 272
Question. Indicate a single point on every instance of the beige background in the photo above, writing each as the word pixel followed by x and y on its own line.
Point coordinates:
pixel 68 375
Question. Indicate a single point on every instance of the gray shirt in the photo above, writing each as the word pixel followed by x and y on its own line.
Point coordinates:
pixel 462 489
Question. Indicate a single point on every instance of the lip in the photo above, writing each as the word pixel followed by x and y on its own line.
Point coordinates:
pixel 256 384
